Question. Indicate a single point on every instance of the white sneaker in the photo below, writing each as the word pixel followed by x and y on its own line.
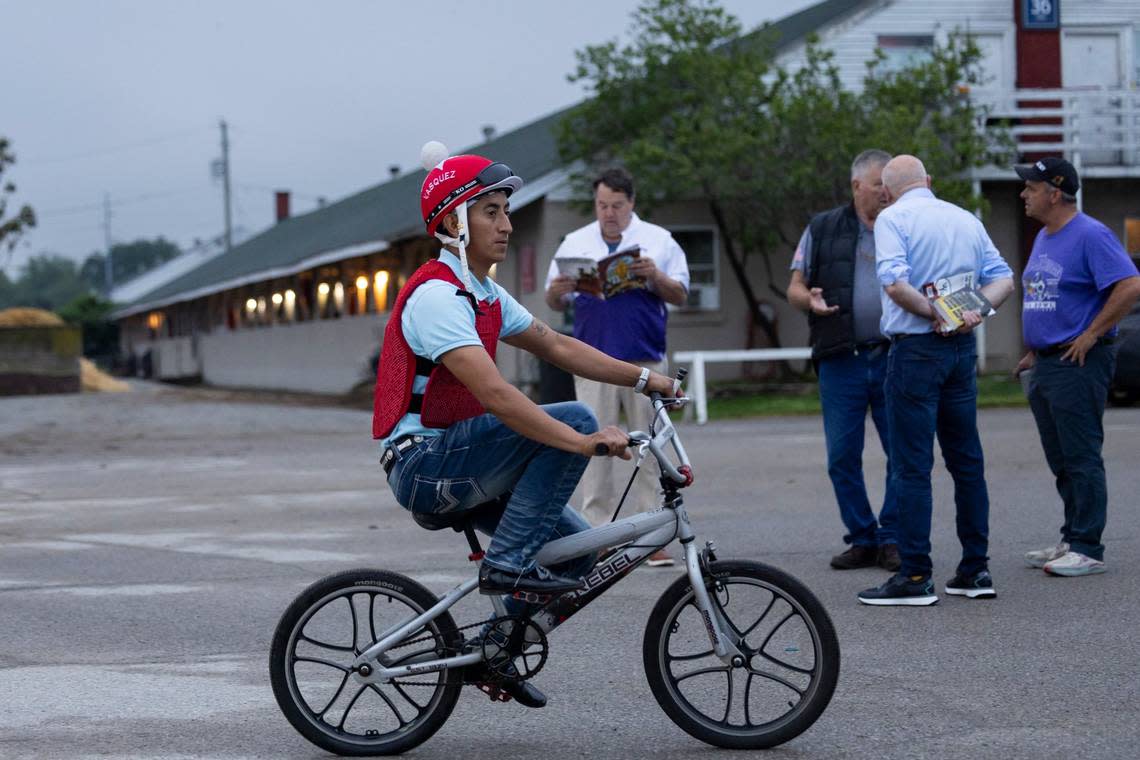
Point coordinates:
pixel 1041 556
pixel 1073 564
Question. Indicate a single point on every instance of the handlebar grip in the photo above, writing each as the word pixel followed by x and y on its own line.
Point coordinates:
pixel 601 450
pixel 682 373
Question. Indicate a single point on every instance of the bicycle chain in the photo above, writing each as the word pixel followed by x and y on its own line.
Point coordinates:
pixel 448 652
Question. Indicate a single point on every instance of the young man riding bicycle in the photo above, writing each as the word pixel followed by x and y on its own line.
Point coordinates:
pixel 454 433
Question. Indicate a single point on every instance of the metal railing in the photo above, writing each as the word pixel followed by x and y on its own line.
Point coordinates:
pixel 1089 126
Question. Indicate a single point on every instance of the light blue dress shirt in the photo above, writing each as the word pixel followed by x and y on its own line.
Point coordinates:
pixel 436 321
pixel 935 246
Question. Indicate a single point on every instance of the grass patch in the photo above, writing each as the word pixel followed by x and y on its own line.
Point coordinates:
pixel 739 399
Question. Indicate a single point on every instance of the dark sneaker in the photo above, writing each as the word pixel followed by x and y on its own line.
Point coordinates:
pixel 520 691
pixel 856 556
pixel 888 558
pixel 538 581
pixel 901 590
pixel 977 586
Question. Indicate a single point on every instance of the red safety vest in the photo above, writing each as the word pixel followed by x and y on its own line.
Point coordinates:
pixel 446 400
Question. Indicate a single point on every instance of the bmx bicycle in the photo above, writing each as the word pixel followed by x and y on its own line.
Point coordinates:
pixel 737 653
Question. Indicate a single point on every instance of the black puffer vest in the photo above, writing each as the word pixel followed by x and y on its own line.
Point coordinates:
pixel 834 240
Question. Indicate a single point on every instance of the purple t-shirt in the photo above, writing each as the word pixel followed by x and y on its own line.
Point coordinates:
pixel 629 326
pixel 1067 280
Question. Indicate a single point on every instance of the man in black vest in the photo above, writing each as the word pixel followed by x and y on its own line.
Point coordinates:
pixel 834 281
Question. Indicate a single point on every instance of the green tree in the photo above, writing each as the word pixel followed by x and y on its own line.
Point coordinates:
pixel 93 314
pixel 926 110
pixel 47 281
pixel 128 260
pixel 698 112
pixel 11 227
pixel 7 291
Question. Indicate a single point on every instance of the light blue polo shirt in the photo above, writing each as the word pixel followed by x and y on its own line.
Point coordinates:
pixel 436 321
pixel 935 246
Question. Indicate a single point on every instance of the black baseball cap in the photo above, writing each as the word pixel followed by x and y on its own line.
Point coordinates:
pixel 1056 171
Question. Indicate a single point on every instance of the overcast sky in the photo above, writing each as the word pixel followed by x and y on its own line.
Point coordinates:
pixel 124 98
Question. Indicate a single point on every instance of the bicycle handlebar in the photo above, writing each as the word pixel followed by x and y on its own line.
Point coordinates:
pixel 680 473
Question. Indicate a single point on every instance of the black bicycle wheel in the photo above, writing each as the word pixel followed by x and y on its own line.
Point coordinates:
pixel 791 658
pixel 321 633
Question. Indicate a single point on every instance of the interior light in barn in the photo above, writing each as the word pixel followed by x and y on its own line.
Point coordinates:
pixel 380 285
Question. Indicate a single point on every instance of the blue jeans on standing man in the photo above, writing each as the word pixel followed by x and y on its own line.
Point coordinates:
pixel 848 385
pixel 479 459
pixel 1068 401
pixel 932 390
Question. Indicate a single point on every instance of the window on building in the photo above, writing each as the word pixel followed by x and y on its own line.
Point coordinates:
pixel 701 251
pixel 904 50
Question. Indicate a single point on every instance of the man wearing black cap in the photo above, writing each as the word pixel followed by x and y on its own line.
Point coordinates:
pixel 1077 284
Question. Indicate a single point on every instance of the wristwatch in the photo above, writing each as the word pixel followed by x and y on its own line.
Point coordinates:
pixel 642 380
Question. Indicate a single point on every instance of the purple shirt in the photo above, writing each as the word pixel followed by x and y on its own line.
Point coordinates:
pixel 1067 280
pixel 629 326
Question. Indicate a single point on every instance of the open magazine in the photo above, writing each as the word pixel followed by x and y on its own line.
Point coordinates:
pixel 948 308
pixel 604 278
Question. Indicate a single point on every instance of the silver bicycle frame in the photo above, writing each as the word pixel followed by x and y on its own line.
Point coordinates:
pixel 644 533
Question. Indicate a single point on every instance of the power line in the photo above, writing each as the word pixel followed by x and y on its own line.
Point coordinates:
pixel 112 150
pixel 266 189
pixel 65 210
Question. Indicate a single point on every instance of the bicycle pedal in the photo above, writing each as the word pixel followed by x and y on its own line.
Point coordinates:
pixel 494 692
pixel 531 597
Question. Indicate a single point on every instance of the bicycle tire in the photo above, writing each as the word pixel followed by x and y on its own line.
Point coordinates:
pixel 372 733
pixel 736 586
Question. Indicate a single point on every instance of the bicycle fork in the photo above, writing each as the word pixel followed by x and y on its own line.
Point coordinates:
pixel 724 644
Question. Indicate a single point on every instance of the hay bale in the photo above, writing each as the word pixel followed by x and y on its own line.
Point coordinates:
pixel 91 378
pixel 26 316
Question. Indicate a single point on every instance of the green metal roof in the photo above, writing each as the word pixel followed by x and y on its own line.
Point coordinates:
pixel 390 211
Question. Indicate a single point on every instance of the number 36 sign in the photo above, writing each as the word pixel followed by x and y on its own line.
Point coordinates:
pixel 1040 14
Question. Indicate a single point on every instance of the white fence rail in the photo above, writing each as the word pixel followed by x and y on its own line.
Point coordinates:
pixel 1089 126
pixel 698 359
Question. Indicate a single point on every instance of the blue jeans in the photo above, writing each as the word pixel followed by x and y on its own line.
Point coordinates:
pixel 848 385
pixel 480 459
pixel 931 389
pixel 1067 401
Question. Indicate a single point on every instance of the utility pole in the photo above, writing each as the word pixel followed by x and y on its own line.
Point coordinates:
pixel 108 272
pixel 226 184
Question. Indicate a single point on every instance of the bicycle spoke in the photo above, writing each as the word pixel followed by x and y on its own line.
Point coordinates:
pixel 702 672
pixel 324 645
pixel 352 609
pixel 687 657
pixel 419 708
pixel 298 658
pixel 372 616
pixel 773 677
pixel 391 706
pixel 768 639
pixel 748 699
pixel 760 619
pixel 349 706
pixel 728 701
pixel 335 697
pixel 782 664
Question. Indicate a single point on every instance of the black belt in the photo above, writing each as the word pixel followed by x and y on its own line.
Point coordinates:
pixel 396 448
pixel 903 336
pixel 871 346
pixel 1060 348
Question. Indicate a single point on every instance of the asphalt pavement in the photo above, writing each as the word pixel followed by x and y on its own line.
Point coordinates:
pixel 149 542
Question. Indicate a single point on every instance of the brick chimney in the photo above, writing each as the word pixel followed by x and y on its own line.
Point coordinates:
pixel 281 197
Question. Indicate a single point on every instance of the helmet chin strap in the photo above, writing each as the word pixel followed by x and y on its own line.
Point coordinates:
pixel 459 242
pixel 461 213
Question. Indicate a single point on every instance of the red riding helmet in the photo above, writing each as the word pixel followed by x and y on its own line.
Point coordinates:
pixel 455 180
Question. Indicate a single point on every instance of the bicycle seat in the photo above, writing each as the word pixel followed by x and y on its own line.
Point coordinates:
pixel 458 521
